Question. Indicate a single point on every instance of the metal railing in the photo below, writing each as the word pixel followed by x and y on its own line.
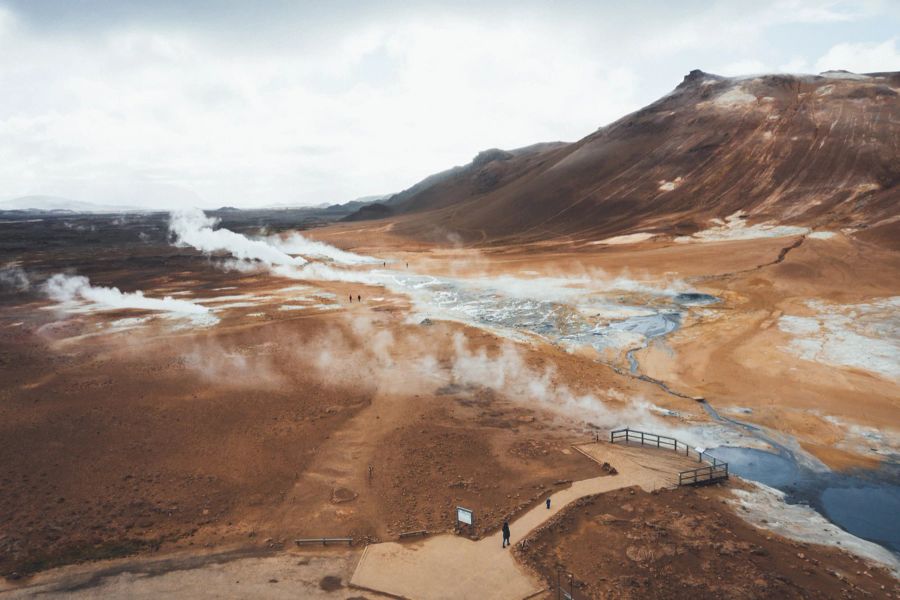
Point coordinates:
pixel 715 470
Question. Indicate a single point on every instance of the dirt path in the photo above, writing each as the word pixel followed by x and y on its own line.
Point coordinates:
pixel 448 566
pixel 237 574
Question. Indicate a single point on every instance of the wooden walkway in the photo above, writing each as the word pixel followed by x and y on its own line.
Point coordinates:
pixel 707 469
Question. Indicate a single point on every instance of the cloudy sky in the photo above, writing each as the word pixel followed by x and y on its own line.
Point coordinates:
pixel 166 102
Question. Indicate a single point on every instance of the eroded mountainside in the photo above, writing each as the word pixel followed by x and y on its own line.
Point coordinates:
pixel 811 150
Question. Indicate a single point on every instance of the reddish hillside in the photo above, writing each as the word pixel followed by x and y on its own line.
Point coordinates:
pixel 808 150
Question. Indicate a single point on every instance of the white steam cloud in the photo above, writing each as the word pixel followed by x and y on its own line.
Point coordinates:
pixel 193 228
pixel 297 244
pixel 68 288
pixel 282 255
pixel 13 276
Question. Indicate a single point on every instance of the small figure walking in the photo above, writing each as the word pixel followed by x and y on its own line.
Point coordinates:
pixel 359 298
pixel 351 298
pixel 505 534
pixel 548 503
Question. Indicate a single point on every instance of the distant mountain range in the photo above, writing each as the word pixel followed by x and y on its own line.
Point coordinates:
pixel 59 204
pixel 64 205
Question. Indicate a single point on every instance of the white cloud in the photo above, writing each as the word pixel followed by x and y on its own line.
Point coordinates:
pixel 313 104
pixel 797 64
pixel 744 67
pixel 145 113
pixel 863 57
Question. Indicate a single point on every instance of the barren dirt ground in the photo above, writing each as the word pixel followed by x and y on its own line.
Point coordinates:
pixel 687 543
pixel 344 419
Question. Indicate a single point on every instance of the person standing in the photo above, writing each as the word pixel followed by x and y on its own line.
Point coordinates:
pixel 548 503
pixel 351 298
pixel 505 534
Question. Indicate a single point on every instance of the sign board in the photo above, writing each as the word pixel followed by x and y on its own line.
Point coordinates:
pixel 700 450
pixel 464 515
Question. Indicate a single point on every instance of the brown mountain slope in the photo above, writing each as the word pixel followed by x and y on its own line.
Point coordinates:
pixel 820 151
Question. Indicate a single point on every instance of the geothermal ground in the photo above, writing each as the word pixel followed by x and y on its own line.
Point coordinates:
pixel 179 402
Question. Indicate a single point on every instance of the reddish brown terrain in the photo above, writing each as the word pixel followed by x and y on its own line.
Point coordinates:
pixel 370 398
pixel 687 544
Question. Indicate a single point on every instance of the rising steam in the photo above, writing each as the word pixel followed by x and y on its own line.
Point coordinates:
pixel 68 288
pixel 192 227
pixel 13 276
pixel 297 244
pixel 284 255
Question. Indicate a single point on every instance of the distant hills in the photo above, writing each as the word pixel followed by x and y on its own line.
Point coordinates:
pixel 58 204
pixel 61 205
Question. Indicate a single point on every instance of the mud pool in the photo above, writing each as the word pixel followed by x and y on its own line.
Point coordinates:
pixel 602 319
pixel 862 502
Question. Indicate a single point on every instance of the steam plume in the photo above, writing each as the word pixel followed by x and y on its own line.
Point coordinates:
pixel 66 288
pixel 13 276
pixel 297 244
pixel 193 228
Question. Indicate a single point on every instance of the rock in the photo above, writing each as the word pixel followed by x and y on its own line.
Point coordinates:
pixel 340 495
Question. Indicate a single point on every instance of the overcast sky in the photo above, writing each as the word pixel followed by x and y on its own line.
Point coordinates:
pixel 167 102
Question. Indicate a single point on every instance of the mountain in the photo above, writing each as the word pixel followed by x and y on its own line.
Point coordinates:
pixel 60 204
pixel 331 207
pixel 813 150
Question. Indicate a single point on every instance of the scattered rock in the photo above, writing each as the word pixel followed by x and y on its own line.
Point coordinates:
pixel 330 583
pixel 341 495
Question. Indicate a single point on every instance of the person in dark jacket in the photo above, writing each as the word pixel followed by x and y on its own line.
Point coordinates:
pixel 548 503
pixel 506 534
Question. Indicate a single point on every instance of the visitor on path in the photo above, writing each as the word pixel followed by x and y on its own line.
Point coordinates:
pixel 505 534
pixel 351 298
pixel 548 503
pixel 359 298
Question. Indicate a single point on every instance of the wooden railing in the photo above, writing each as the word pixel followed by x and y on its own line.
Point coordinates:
pixel 324 541
pixel 704 474
pixel 715 470
pixel 567 587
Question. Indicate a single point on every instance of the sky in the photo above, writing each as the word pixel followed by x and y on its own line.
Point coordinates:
pixel 167 103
